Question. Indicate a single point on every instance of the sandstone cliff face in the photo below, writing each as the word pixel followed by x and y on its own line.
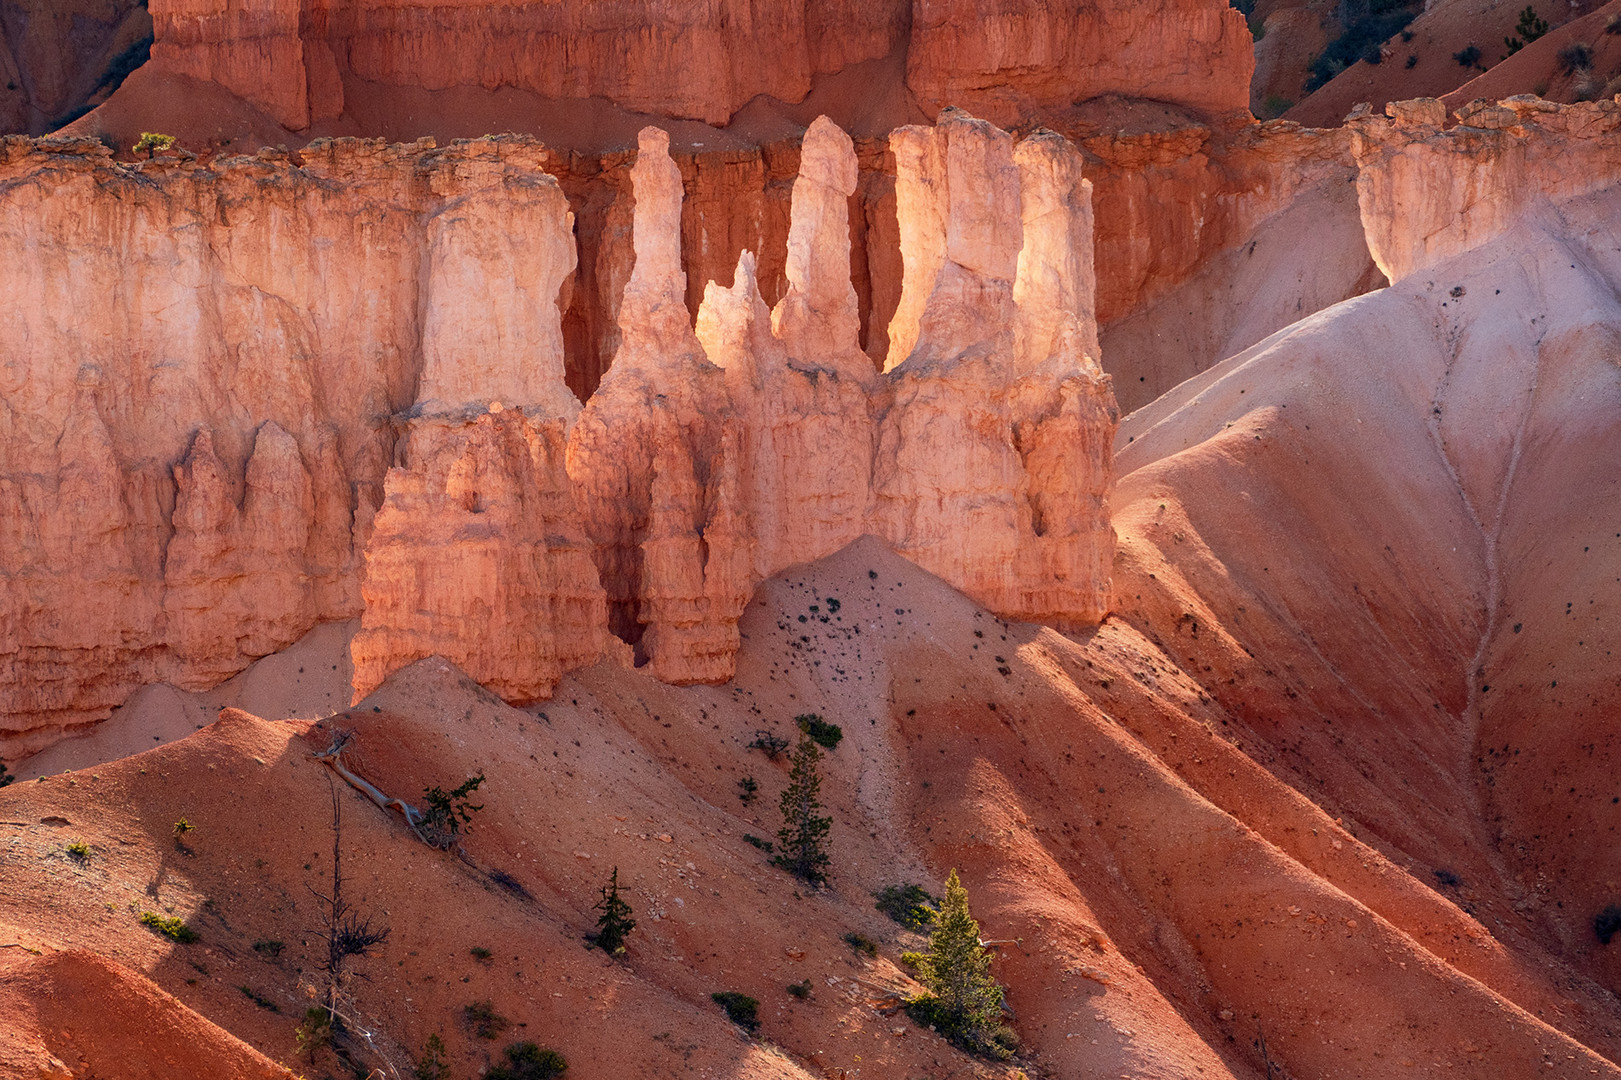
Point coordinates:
pixel 211 475
pixel 1003 58
pixel 198 388
pixel 706 61
pixel 477 555
pixel 1428 194
pixel 982 456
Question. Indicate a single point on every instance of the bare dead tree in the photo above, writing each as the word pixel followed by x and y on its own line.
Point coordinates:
pixel 348 933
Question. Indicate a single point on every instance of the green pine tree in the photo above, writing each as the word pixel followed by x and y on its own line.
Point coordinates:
pixel 615 921
pixel 964 1001
pixel 803 833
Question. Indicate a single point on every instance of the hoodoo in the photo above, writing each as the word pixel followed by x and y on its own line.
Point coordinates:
pixel 570 602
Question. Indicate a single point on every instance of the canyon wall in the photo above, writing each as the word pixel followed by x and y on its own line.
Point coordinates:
pixel 60 57
pixel 705 61
pixel 202 384
pixel 243 398
pixel 713 457
pixel 1427 193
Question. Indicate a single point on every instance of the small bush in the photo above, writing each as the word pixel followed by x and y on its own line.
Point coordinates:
pixel 481 954
pixel 151 142
pixel 800 990
pixel 861 943
pixel 1607 923
pixel 483 1021
pixel 449 810
pixel 1412 61
pixel 767 743
pixel 1375 55
pixel 258 999
pixel 764 845
pixel 6 777
pixel 169 926
pixel 821 732
pixel 908 905
pixel 1612 25
pixel 271 949
pixel 79 851
pixel 1577 56
pixel 431 1065
pixel 315 1031
pixel 741 1009
pixel 527 1061
pixel 1468 56
pixel 1447 878
pixel 747 789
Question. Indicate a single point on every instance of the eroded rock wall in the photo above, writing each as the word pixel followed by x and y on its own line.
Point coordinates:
pixel 1001 58
pixel 1427 193
pixel 201 383
pixel 244 398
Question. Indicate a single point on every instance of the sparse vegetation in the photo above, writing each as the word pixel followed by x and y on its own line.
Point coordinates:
pixel 448 811
pixel 272 949
pixel 759 842
pixel 803 836
pixel 152 143
pixel 741 1009
pixel 170 926
pixel 258 999
pixel 1365 27
pixel 348 933
pixel 1612 25
pixel 908 905
pixel 767 743
pixel 800 990
pixel 1607 923
pixel 1447 878
pixel 1412 60
pixel 314 1032
pixel 1577 56
pixel 963 1001
pixel 1529 29
pixel 527 1061
pixel 861 943
pixel 748 789
pixel 1469 56
pixel 481 954
pixel 483 1021
pixel 79 851
pixel 1275 106
pixel 615 922
pixel 432 1065
pixel 180 829
pixel 6 777
pixel 821 732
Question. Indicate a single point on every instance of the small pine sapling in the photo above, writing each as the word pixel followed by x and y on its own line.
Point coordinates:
pixel 615 922
pixel 964 1000
pixel 448 811
pixel 803 836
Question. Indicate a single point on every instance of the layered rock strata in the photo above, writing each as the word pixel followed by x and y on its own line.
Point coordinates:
pixel 336 389
pixel 200 384
pixel 706 61
pixel 983 455
pixel 1428 193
